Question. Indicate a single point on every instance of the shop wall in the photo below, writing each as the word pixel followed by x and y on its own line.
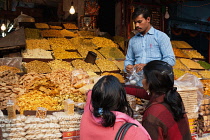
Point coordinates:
pixel 191 16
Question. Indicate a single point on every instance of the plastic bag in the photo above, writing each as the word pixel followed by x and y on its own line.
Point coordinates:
pixel 134 78
pixel 190 80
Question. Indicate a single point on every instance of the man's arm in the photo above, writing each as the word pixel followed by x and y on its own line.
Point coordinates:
pixel 130 58
pixel 166 49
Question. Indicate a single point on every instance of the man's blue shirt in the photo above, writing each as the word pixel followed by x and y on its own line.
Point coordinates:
pixel 154 45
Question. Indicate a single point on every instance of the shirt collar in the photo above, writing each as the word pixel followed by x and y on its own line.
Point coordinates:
pixel 151 32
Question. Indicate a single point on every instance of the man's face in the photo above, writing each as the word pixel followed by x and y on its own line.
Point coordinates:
pixel 142 25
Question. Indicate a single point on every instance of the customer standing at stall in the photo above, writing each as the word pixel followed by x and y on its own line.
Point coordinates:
pixel 164 117
pixel 106 110
pixel 148 44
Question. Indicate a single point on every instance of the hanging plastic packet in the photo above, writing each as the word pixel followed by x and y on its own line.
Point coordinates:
pixel 41 112
pixel 11 110
pixel 134 78
pixel 69 106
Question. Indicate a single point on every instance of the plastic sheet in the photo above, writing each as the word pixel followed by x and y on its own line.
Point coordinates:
pixel 190 82
pixel 12 62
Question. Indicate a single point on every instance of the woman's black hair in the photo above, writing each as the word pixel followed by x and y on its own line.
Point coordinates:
pixel 141 10
pixel 109 95
pixel 160 78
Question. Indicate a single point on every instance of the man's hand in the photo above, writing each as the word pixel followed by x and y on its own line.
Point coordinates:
pixel 129 68
pixel 139 67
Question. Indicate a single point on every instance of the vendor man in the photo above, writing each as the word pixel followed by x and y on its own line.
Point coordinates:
pixel 147 45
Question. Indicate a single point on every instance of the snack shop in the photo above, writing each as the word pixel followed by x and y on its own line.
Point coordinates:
pixel 52 52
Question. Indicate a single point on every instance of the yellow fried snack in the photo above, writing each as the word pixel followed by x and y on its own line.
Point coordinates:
pixel 106 65
pixel 119 76
pixel 34 99
pixel 13 69
pixel 193 54
pixel 37 43
pixel 81 64
pixel 178 73
pixel 59 64
pixel 61 44
pixel 112 52
pixel 42 25
pixel 180 53
pixel 190 64
pixel 103 42
pixel 37 66
pixel 179 65
pixel 205 74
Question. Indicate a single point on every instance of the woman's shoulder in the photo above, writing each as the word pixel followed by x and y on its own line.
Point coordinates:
pixel 156 110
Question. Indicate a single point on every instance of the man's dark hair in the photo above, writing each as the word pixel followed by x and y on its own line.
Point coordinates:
pixel 141 10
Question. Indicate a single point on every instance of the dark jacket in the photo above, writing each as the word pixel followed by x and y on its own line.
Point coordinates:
pixel 158 119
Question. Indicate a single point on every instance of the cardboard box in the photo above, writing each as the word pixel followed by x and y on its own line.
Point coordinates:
pixel 71 134
pixel 72 138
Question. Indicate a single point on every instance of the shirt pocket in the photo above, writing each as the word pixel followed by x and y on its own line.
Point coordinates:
pixel 154 51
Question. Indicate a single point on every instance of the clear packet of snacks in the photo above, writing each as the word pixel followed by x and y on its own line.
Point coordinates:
pixel 133 78
pixel 11 109
pixel 41 112
pixel 68 106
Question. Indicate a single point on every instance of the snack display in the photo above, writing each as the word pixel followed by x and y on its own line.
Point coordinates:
pixel 9 87
pixel 204 64
pixel 103 42
pixel 84 51
pixel 81 64
pixel 106 65
pixel 193 54
pixel 70 26
pixel 112 52
pixel 42 25
pixel 8 68
pixel 42 128
pixel 66 33
pixel 13 129
pixel 62 54
pixel 37 43
pixel 197 74
pixel 87 34
pixel 55 27
pixel 61 44
pixel 51 33
pixel 181 44
pixel 180 53
pixel 32 33
pixel 37 66
pixel 205 74
pixel 206 86
pixel 119 76
pixel 190 64
pixel 189 98
pixel 68 122
pixel 37 53
pixel 59 65
pixel 179 65
pixel 178 73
